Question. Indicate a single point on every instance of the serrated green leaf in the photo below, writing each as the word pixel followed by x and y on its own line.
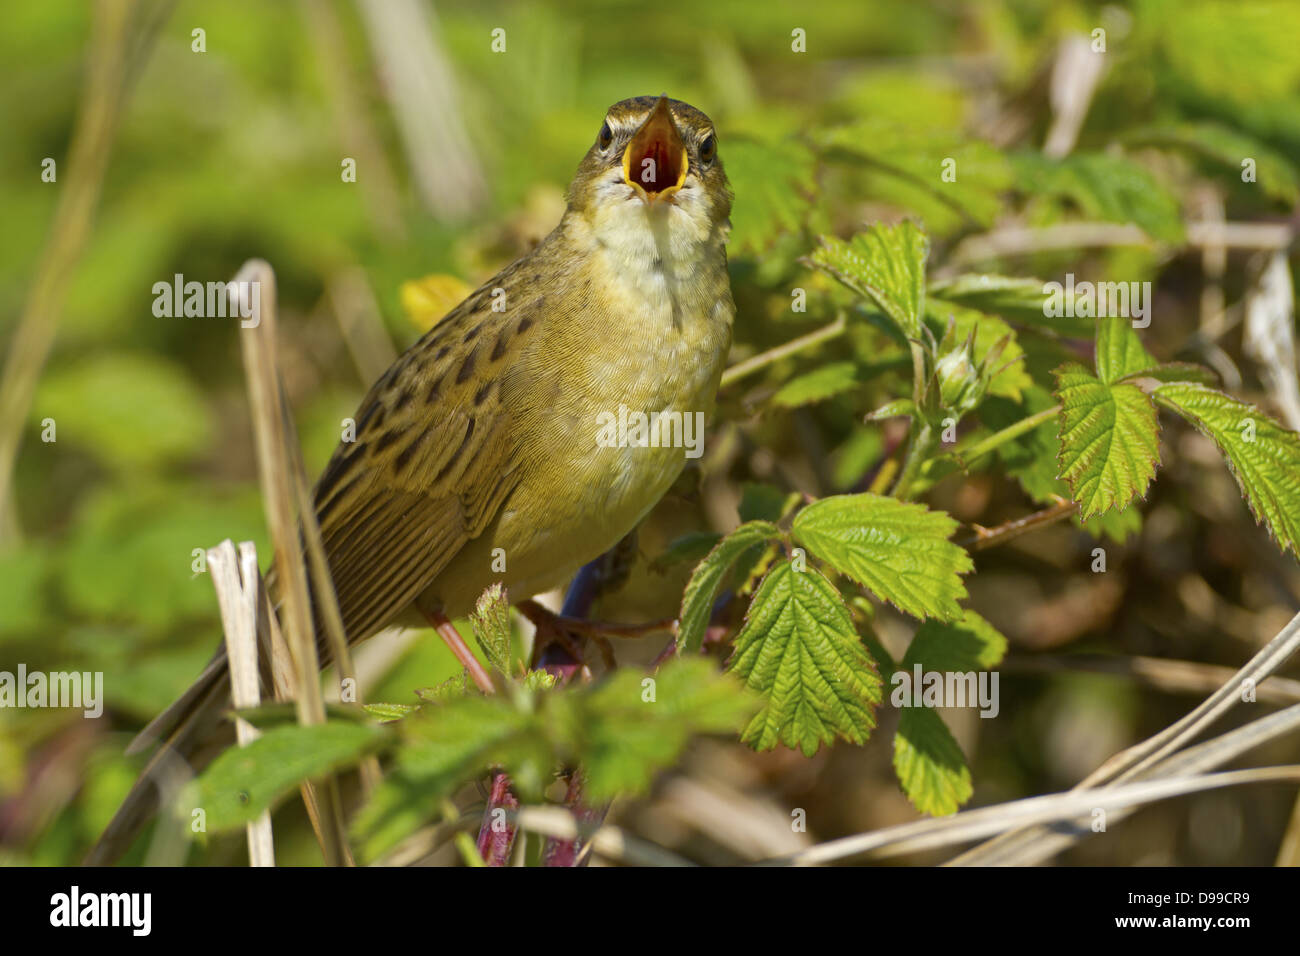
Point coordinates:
pixel 1109 440
pixel 930 765
pixel 636 725
pixel 1266 463
pixel 1022 299
pixel 697 600
pixel 244 781
pixel 490 621
pixel 1119 350
pixel 968 644
pixel 386 713
pixel 1176 372
pixel 898 551
pixel 886 264
pixel 799 650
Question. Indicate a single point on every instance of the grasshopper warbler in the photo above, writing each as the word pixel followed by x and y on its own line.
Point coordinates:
pixel 481 441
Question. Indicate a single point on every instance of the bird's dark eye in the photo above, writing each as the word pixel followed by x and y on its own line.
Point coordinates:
pixel 604 137
pixel 708 149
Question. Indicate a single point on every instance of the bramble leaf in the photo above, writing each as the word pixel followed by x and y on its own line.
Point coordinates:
pixel 927 759
pixel 637 724
pixel 826 382
pixel 697 601
pixel 1119 350
pixel 1109 440
pixel 244 781
pixel 798 648
pixel 1264 456
pixel 620 732
pixel 886 264
pixel 898 551
pixel 490 620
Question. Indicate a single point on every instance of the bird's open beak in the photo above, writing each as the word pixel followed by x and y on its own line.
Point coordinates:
pixel 655 161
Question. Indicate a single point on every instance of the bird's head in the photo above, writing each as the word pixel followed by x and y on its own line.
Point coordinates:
pixel 654 167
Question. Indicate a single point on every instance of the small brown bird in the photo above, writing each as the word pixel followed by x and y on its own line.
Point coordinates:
pixel 487 440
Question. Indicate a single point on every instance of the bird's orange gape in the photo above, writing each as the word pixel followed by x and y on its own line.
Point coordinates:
pixel 655 161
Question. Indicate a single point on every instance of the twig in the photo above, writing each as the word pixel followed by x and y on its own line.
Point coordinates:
pixel 237 583
pixel 991 537
pixel 973 824
pixel 764 359
pixel 1024 240
pixel 275 471
pixel 1139 758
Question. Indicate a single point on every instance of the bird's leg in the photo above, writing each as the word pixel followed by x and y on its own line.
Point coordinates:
pixel 553 628
pixel 451 637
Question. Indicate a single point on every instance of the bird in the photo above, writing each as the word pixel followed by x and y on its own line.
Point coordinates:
pixel 478 456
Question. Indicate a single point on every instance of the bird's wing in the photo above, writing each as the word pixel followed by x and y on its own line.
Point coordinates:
pixel 435 457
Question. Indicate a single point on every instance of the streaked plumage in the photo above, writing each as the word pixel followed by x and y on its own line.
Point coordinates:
pixel 482 435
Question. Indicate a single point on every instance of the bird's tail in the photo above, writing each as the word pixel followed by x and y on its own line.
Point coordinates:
pixel 188 724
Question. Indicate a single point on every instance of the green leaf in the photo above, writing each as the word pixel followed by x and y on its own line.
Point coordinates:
pixel 1176 372
pixel 1119 350
pixel 799 650
pixel 1104 186
pixel 386 713
pixel 1022 300
pixel 636 725
pixel 490 620
pixel 887 265
pixel 620 732
pixel 929 763
pixel 927 759
pixel 774 178
pixel 244 781
pixel 968 644
pixel 1264 456
pixel 898 551
pixel 1226 147
pixel 447 745
pixel 697 600
pixel 1109 440
pixel 818 385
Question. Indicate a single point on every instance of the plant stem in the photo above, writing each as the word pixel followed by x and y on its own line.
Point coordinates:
pixel 918 450
pixel 763 359
pixel 1010 433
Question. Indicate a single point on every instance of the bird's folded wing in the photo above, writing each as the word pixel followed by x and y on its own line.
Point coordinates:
pixel 435 457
